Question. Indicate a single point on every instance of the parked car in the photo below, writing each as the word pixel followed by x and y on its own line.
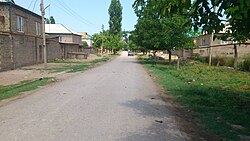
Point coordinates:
pixel 130 53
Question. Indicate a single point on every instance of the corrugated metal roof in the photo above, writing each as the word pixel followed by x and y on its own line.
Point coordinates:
pixel 59 29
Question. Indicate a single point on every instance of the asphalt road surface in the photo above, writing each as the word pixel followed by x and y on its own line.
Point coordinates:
pixel 115 101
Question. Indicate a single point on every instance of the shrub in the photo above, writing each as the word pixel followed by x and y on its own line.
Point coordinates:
pixel 245 65
pixel 223 61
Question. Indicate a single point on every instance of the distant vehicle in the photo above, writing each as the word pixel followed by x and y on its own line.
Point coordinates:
pixel 130 53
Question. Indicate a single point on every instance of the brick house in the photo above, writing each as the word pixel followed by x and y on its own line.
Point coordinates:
pixel 69 40
pixel 65 34
pixel 20 36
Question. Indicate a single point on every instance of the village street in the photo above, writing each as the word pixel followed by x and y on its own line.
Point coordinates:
pixel 115 101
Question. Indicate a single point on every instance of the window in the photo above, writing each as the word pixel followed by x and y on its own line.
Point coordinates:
pixel 202 42
pixel 235 42
pixel 38 28
pixel 2 20
pixel 19 24
pixel 224 42
pixel 60 38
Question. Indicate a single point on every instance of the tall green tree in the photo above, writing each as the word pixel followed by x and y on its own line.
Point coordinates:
pixel 115 19
pixel 50 20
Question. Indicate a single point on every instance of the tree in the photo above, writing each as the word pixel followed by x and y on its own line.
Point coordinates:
pixel 84 44
pixel 211 16
pixel 115 19
pixel 50 20
pixel 162 34
pixel 161 8
pixel 162 25
pixel 97 40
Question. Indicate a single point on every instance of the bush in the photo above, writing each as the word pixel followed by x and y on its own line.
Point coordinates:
pixel 223 61
pixel 245 65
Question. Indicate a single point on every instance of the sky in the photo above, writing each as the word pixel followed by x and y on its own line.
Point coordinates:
pixel 82 15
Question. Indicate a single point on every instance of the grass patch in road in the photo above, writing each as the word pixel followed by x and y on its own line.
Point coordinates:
pixel 78 66
pixel 219 97
pixel 28 85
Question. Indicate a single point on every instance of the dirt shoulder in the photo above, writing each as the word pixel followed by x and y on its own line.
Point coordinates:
pixel 39 71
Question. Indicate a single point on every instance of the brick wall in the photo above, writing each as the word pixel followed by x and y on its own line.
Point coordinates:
pixel 29 22
pixel 54 49
pixel 6 59
pixel 66 48
pixel 4 19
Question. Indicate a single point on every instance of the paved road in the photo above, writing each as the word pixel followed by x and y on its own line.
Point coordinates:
pixel 110 102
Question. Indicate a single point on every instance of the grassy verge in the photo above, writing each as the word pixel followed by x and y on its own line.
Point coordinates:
pixel 14 90
pixel 78 66
pixel 219 97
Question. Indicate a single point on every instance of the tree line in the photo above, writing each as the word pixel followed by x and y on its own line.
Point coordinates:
pixel 111 39
pixel 169 24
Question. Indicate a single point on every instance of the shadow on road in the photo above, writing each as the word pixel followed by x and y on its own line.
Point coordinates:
pixel 163 126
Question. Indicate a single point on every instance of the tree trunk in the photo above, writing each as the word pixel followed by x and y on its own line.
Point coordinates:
pixel 170 56
pixel 210 56
pixel 235 56
pixel 154 53
pixel 178 63
pixel 183 53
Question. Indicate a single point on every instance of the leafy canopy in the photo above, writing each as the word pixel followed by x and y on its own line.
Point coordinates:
pixel 115 19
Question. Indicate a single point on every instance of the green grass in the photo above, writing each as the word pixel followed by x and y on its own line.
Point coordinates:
pixel 219 97
pixel 78 66
pixel 28 85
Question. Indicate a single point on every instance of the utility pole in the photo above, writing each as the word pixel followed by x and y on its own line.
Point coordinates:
pixel 43 34
pixel 102 40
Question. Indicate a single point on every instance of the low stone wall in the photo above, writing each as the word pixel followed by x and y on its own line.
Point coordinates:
pixel 224 50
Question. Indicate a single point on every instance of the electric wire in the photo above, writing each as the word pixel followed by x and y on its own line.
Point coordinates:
pixel 30 4
pixel 70 12
pixel 34 5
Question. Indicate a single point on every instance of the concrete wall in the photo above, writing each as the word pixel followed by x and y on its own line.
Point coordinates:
pixel 54 49
pixel 6 59
pixel 27 50
pixel 224 50
pixel 71 39
pixel 66 48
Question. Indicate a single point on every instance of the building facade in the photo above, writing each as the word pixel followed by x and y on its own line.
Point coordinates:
pixel 20 37
pixel 65 34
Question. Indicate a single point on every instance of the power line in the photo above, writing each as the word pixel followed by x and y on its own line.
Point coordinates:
pixel 34 5
pixel 74 12
pixel 69 11
pixel 30 4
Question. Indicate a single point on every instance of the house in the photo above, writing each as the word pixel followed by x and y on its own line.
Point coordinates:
pixel 87 38
pixel 65 34
pixel 219 47
pixel 20 36
pixel 69 40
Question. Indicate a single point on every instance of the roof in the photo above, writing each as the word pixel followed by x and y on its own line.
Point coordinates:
pixel 85 35
pixel 59 29
pixel 12 4
pixel 7 1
